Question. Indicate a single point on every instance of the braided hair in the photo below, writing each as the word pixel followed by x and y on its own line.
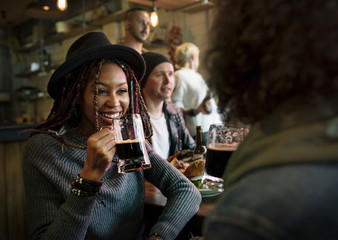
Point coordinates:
pixel 66 108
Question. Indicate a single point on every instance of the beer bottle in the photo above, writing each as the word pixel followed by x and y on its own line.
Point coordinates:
pixel 199 149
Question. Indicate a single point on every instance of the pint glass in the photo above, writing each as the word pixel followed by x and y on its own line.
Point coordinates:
pixel 130 144
pixel 223 140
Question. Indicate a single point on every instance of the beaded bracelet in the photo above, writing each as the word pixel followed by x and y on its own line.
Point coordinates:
pixel 80 193
pixel 84 187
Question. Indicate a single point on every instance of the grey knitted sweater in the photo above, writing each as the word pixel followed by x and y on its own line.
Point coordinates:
pixel 54 213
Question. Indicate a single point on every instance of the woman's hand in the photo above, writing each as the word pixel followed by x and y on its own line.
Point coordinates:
pixel 100 153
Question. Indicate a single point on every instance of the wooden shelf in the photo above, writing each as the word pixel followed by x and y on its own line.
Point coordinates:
pixel 75 31
pixel 32 73
pixel 198 7
pixel 115 17
pixel 90 26
pixel 57 38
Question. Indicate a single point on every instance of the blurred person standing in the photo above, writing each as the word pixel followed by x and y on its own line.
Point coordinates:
pixel 170 134
pixel 280 73
pixel 137 28
pixel 191 92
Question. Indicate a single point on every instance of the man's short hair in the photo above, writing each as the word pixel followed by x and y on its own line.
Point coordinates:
pixel 132 10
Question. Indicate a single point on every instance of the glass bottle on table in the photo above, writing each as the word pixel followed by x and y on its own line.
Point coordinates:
pixel 200 150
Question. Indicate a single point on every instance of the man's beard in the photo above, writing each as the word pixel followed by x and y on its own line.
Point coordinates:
pixel 138 38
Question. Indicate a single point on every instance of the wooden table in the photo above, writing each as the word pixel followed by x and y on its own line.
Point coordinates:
pixel 154 203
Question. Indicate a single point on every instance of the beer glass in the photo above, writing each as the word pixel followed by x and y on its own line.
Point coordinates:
pixel 130 144
pixel 223 140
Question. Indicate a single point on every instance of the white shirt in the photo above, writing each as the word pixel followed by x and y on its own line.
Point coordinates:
pixel 160 138
pixel 190 91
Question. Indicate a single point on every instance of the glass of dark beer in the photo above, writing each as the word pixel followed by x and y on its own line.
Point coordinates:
pixel 130 144
pixel 223 140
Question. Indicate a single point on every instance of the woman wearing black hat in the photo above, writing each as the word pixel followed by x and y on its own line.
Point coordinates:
pixel 72 150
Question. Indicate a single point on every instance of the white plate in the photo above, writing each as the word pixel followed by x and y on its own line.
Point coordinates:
pixel 209 192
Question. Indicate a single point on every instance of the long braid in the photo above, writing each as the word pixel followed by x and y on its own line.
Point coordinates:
pixel 139 104
pixel 96 107
pixel 64 104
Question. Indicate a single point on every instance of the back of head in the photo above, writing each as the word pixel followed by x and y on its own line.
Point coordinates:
pixel 264 53
pixel 184 53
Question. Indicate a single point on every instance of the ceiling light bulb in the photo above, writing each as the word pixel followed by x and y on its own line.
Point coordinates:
pixel 62 5
pixel 154 19
pixel 46 8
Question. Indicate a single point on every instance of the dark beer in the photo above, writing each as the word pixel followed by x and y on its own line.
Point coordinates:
pixel 131 156
pixel 129 149
pixel 217 159
pixel 130 144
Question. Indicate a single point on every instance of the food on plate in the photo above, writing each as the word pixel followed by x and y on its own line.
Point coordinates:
pixel 184 155
pixel 187 163
pixel 198 182
pixel 195 168
pixel 180 165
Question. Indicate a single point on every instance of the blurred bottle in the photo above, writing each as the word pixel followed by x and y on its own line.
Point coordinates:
pixel 200 150
pixel 206 102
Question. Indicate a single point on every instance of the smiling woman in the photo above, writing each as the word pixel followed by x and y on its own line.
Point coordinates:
pixel 112 99
pixel 70 165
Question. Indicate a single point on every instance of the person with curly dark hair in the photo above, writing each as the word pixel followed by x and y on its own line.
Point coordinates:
pixel 73 187
pixel 273 64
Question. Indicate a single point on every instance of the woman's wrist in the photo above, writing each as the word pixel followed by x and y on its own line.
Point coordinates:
pixel 192 112
pixel 83 187
pixel 90 175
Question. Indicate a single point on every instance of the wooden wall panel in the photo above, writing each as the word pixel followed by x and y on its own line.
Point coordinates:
pixel 14 196
pixel 3 211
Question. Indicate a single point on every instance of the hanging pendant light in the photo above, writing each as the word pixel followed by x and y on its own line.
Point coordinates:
pixel 45 9
pixel 154 16
pixel 62 5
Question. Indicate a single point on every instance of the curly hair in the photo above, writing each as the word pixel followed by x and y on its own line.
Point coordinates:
pixel 66 109
pixel 268 51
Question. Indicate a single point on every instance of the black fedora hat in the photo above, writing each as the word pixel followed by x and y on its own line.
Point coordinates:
pixel 94 46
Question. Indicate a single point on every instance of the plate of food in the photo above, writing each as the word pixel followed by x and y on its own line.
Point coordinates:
pixel 209 193
pixel 206 187
pixel 188 163
pixel 193 168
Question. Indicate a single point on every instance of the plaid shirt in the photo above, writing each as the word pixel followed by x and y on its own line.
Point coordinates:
pixel 179 135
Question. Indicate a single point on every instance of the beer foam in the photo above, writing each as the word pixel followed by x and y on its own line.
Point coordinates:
pixel 224 146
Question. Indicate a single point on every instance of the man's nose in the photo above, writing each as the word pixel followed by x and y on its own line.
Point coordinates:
pixel 167 78
pixel 145 25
